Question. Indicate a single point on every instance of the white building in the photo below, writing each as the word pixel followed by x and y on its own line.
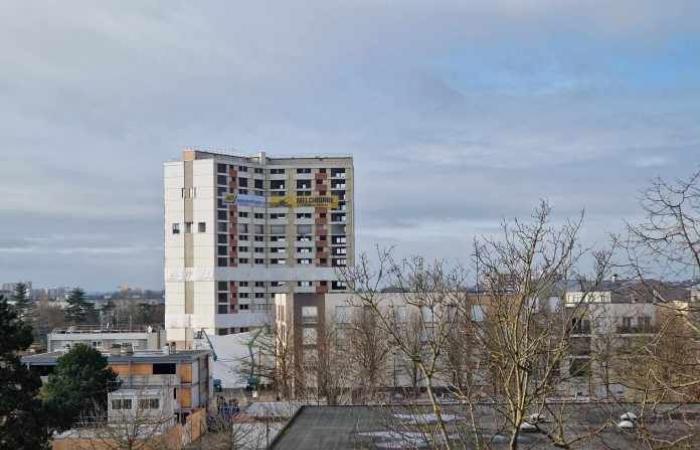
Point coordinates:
pixel 142 406
pixel 146 338
pixel 240 229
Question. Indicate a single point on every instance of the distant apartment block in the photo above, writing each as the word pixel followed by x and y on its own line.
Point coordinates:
pixel 240 229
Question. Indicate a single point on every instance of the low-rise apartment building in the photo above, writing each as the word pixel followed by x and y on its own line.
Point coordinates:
pixel 615 318
pixel 185 375
pixel 103 338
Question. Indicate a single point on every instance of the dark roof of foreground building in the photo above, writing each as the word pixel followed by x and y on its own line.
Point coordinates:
pixel 352 427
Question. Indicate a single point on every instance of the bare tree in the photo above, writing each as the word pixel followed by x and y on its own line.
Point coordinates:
pixel 368 353
pixel 134 423
pixel 526 342
pixel 327 369
pixel 273 353
pixel 431 294
pixel 666 245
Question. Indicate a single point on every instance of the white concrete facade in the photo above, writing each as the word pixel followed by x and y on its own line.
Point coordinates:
pixel 229 247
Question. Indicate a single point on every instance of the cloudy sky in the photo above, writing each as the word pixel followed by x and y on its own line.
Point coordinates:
pixel 458 113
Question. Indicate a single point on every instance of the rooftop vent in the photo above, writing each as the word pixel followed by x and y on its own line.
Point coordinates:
pixel 115 350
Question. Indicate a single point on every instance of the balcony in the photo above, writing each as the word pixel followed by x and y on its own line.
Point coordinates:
pixel 581 329
pixel 637 329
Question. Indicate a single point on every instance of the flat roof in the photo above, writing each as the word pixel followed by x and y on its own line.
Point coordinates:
pixel 51 358
pixel 401 426
pixel 206 153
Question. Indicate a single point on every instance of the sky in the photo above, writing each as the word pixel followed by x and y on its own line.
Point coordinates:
pixel 458 114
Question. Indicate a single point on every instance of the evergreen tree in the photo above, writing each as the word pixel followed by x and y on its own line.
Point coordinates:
pixel 78 387
pixel 22 418
pixel 80 311
pixel 21 300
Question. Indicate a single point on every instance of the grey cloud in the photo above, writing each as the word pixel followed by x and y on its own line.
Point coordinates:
pixel 94 96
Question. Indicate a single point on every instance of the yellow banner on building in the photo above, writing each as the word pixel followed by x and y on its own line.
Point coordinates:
pixel 320 201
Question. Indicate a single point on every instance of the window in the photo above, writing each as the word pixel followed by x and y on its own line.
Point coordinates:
pixel 202 227
pixel 259 295
pixel 221 168
pixel 243 295
pixel 222 262
pixel 121 403
pixel 303 184
pixel 258 238
pixel 579 367
pixel 276 171
pixel 304 170
pixel 222 285
pixel 259 215
pixel 243 283
pixel 222 251
pixel 243 228
pixel 242 249
pixel 222 331
pixel 242 168
pixel 309 336
pixel 259 249
pixel 304 283
pixel 258 229
pixel 221 179
pixel 259 284
pixel 259 261
pixel 258 170
pixel 222 227
pixel 243 237
pixel 243 182
pixel 309 314
pixel 164 369
pixel 221 215
pixel 222 239
pixel 243 307
pixel 149 403
pixel 276 184
pixel 278 216
pixel 223 297
pixel 176 228
pixel 258 184
pixel 304 229
pixel 222 309
pixel 242 214
pixel 277 229
pixel 304 261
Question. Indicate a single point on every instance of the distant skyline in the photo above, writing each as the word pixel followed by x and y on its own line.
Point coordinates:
pixel 458 114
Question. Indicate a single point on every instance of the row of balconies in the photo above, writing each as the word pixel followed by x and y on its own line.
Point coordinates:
pixel 585 329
